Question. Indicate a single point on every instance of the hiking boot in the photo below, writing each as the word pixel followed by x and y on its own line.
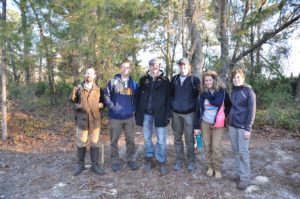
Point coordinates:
pixel 243 184
pixel 133 165
pixel 210 172
pixel 191 167
pixel 78 169
pixel 80 161
pixel 148 164
pixel 115 167
pixel 177 166
pixel 163 169
pixel 218 174
pixel 97 169
pixel 94 158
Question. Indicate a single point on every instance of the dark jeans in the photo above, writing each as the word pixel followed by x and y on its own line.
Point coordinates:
pixel 116 128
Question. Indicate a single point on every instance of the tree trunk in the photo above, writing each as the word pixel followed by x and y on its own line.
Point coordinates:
pixel 3 76
pixel 252 67
pixel 49 57
pixel 297 98
pixel 13 64
pixel 40 78
pixel 224 39
pixel 195 52
pixel 26 40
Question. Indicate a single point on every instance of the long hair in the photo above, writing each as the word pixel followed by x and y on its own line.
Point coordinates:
pixel 218 83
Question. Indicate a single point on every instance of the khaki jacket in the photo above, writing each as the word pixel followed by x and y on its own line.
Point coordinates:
pixel 87 103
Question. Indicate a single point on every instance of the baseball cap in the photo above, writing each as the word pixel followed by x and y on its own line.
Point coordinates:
pixel 154 61
pixel 184 61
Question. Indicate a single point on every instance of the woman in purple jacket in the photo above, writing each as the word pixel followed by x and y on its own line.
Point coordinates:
pixel 240 120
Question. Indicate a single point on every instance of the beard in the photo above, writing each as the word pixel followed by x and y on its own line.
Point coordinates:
pixel 89 79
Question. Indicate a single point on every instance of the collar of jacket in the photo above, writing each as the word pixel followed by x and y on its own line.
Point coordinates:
pixel 177 78
pixel 119 77
pixel 242 86
pixel 160 73
pixel 81 85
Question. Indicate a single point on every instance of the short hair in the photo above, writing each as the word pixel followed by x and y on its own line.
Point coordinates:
pixel 90 68
pixel 125 61
pixel 238 71
pixel 217 84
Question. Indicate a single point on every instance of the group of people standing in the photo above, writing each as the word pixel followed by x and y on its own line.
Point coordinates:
pixel 194 106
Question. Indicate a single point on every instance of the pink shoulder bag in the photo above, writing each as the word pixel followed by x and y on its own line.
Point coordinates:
pixel 220 117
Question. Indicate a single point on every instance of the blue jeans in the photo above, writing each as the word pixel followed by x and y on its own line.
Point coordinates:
pixel 161 144
pixel 240 147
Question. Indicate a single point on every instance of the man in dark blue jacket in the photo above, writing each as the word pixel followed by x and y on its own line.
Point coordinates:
pixel 184 93
pixel 119 98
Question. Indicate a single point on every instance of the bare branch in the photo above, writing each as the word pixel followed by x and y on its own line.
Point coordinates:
pixel 266 37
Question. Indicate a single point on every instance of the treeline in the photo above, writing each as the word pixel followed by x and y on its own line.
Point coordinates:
pixel 47 44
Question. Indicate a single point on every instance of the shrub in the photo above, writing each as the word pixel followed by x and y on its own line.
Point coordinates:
pixel 277 91
pixel 277 117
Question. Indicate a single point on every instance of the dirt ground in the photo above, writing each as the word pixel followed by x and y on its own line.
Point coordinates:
pixel 41 167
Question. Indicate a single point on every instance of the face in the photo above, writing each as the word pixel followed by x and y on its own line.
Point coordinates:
pixel 209 82
pixel 238 80
pixel 154 68
pixel 89 75
pixel 125 69
pixel 184 69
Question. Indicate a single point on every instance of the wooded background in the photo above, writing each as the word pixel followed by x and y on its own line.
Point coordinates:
pixel 47 44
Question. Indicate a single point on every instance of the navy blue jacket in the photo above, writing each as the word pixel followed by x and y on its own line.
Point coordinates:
pixel 184 97
pixel 242 112
pixel 120 100
pixel 215 99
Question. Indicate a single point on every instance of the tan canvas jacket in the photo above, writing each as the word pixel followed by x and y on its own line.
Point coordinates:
pixel 87 103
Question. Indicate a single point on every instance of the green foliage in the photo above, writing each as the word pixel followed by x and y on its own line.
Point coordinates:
pixel 63 89
pixel 273 92
pixel 275 103
pixel 41 88
pixel 286 118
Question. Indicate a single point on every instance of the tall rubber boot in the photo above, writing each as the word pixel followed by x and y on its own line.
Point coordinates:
pixel 95 158
pixel 80 160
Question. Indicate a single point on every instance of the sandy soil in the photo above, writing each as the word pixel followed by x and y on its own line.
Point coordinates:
pixel 42 168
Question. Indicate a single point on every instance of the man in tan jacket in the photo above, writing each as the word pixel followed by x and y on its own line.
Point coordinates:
pixel 86 100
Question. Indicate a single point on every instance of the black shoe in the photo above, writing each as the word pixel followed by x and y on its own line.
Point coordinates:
pixel 243 184
pixel 191 167
pixel 177 166
pixel 95 157
pixel 163 169
pixel 97 169
pixel 80 160
pixel 115 167
pixel 148 164
pixel 133 165
pixel 78 169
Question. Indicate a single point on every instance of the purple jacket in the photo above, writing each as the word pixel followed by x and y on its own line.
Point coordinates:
pixel 243 109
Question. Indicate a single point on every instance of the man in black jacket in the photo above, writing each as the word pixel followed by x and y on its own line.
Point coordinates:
pixel 153 108
pixel 184 93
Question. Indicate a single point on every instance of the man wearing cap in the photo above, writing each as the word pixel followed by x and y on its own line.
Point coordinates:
pixel 119 98
pixel 184 93
pixel 153 109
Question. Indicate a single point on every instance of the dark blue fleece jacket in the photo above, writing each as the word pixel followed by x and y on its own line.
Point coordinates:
pixel 184 97
pixel 243 109
pixel 120 100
